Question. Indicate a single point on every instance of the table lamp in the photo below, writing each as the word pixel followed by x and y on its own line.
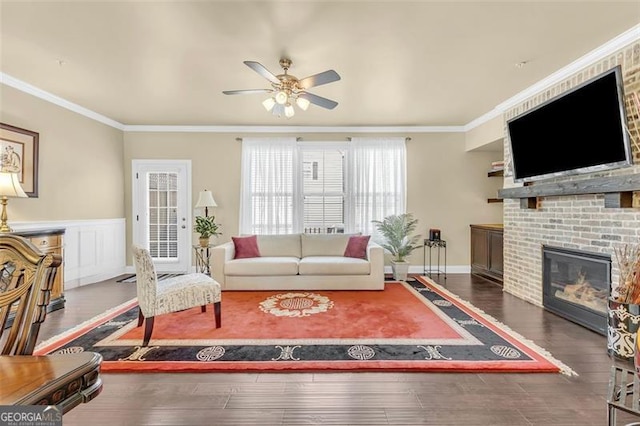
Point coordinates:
pixel 206 200
pixel 9 187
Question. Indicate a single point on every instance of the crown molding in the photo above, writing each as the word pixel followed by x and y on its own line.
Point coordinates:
pixel 630 36
pixel 296 129
pixel 57 100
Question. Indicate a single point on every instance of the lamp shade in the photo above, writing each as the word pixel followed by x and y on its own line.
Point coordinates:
pixel 206 200
pixel 10 185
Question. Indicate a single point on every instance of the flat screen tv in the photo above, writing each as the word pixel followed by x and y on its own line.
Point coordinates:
pixel 583 130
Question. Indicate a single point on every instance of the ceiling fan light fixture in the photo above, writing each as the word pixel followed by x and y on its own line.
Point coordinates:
pixel 282 97
pixel 303 103
pixel 289 111
pixel 268 103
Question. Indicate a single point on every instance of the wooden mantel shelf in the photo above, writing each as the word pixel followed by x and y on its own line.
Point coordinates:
pixel 618 190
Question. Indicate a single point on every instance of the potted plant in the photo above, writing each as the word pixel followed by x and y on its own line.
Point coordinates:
pixel 206 227
pixel 397 230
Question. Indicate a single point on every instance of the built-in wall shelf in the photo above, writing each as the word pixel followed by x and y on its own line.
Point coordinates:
pixel 618 190
pixel 495 173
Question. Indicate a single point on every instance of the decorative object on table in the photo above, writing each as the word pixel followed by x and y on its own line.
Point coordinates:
pixel 623 306
pixel 9 187
pixel 434 234
pixel 19 154
pixel 286 90
pixel 207 228
pixel 397 230
pixel 205 200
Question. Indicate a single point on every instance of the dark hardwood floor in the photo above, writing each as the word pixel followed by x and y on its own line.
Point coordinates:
pixel 359 398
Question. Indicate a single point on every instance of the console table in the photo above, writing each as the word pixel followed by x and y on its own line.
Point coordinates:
pixel 437 244
pixel 64 380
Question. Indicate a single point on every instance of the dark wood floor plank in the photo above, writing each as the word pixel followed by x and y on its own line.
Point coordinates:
pixel 358 398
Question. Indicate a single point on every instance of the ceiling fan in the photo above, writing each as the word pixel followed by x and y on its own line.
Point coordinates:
pixel 287 89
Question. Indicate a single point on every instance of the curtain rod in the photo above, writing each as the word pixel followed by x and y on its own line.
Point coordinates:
pixel 407 138
pixel 297 139
pixel 300 138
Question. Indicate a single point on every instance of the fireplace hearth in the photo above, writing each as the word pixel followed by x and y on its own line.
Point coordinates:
pixel 577 285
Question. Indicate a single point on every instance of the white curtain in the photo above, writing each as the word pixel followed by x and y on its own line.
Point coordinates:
pixel 376 182
pixel 270 186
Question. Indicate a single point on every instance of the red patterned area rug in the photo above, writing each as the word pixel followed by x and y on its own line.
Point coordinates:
pixel 412 326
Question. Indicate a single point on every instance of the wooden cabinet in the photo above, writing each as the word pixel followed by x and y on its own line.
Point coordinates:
pixel 486 251
pixel 50 241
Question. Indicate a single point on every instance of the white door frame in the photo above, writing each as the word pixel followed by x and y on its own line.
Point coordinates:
pixel 139 210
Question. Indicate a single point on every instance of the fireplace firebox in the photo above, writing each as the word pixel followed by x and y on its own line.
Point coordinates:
pixel 577 285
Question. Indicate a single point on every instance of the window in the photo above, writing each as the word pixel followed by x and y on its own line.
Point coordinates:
pixel 323 188
pixel 290 186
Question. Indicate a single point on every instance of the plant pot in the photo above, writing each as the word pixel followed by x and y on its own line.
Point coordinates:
pixel 204 241
pixel 623 321
pixel 400 270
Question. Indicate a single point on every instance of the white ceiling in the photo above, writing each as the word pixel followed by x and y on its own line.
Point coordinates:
pixel 402 63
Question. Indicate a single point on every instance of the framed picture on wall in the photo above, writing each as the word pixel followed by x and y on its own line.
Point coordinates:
pixel 19 154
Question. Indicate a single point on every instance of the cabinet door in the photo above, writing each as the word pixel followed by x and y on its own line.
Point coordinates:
pixel 479 249
pixel 495 254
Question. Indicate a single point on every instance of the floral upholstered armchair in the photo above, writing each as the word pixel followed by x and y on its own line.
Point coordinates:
pixel 172 294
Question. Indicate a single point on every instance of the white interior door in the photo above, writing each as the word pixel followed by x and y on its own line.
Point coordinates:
pixel 161 213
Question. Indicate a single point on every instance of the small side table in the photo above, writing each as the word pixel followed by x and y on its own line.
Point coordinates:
pixel 624 394
pixel 203 257
pixel 438 244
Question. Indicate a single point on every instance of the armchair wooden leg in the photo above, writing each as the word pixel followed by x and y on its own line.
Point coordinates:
pixel 140 317
pixel 217 310
pixel 148 328
pixel 203 308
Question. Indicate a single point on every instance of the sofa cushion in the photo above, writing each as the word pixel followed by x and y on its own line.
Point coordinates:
pixel 267 266
pixel 279 245
pixel 357 246
pixel 324 244
pixel 333 265
pixel 245 247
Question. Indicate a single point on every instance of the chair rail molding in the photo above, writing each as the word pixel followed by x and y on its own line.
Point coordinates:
pixel 94 250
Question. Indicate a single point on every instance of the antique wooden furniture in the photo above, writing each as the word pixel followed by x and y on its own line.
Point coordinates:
pixel 26 277
pixel 50 240
pixel 172 294
pixel 486 251
pixel 65 380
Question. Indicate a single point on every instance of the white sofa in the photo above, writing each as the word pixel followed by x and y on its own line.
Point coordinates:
pixel 299 262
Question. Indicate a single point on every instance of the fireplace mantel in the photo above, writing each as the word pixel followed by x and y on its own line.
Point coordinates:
pixel 618 190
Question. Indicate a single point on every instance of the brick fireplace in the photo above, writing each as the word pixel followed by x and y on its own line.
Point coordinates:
pixel 574 222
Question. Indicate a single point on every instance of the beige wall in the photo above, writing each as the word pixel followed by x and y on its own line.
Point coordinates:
pixel 81 173
pixel 447 187
pixel 488 136
pixel 85 172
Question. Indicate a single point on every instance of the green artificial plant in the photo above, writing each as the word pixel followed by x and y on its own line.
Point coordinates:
pixel 397 230
pixel 206 226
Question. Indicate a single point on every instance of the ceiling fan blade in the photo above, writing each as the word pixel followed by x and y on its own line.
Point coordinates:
pixel 246 92
pixel 319 79
pixel 318 100
pixel 260 69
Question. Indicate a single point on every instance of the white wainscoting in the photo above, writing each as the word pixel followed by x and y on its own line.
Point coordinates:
pixel 94 250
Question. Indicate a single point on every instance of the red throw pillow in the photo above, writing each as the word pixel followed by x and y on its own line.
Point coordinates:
pixel 357 246
pixel 246 247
